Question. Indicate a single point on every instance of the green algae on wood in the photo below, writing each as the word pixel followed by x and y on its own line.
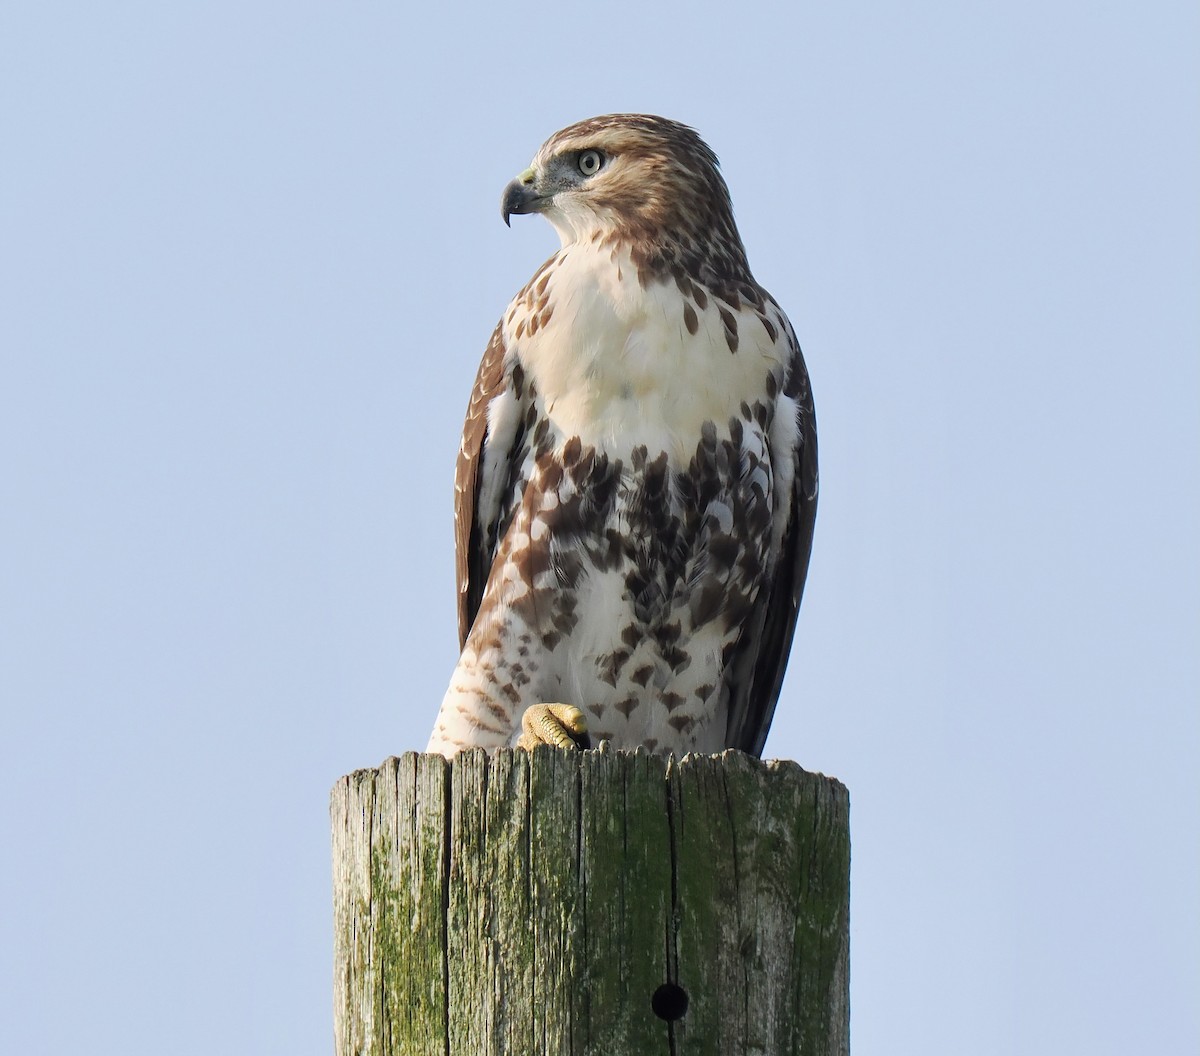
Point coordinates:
pixel 524 903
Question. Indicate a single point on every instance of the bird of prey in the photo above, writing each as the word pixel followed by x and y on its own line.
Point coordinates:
pixel 637 482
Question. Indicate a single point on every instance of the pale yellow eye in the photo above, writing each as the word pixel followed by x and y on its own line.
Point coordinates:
pixel 590 162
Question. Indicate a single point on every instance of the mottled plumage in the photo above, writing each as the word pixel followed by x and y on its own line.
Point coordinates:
pixel 637 481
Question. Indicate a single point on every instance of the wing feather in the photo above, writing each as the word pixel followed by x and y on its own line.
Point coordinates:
pixel 483 469
pixel 766 641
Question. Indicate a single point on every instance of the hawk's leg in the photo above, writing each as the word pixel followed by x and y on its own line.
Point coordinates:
pixel 559 725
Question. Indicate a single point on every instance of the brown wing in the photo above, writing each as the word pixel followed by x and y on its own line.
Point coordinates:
pixel 767 640
pixel 472 550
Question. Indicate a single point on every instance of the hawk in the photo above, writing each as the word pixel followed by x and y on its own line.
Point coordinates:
pixel 637 482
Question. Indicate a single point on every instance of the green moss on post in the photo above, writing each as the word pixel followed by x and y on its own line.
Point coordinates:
pixel 573 903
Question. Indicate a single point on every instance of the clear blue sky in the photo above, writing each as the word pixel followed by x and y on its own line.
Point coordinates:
pixel 249 256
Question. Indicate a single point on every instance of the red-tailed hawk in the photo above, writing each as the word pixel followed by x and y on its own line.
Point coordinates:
pixel 637 482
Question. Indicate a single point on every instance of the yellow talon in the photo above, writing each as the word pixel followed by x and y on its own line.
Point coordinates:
pixel 559 725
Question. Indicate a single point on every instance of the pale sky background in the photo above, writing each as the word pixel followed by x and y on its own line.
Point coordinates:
pixel 249 257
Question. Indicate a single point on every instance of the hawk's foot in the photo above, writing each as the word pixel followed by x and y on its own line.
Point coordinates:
pixel 559 725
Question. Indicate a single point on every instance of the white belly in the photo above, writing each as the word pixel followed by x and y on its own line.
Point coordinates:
pixel 616 365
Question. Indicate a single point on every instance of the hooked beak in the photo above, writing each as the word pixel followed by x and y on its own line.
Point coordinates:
pixel 521 197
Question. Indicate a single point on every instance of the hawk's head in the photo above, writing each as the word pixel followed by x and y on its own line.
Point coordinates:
pixel 636 179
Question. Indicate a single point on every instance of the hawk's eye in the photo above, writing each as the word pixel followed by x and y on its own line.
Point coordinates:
pixel 590 162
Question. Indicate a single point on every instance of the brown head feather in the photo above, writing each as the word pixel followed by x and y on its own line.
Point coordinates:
pixel 663 196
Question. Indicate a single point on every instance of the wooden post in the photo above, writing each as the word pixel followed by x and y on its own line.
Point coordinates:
pixel 603 903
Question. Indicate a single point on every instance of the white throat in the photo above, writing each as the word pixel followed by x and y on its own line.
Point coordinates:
pixel 616 365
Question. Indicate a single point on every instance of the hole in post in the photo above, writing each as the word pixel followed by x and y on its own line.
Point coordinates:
pixel 669 1002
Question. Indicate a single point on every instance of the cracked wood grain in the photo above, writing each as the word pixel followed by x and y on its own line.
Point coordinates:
pixel 532 903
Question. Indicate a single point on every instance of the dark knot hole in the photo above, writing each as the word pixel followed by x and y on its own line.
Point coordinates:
pixel 669 1002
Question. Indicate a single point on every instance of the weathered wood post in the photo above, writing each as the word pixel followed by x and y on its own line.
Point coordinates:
pixel 600 903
